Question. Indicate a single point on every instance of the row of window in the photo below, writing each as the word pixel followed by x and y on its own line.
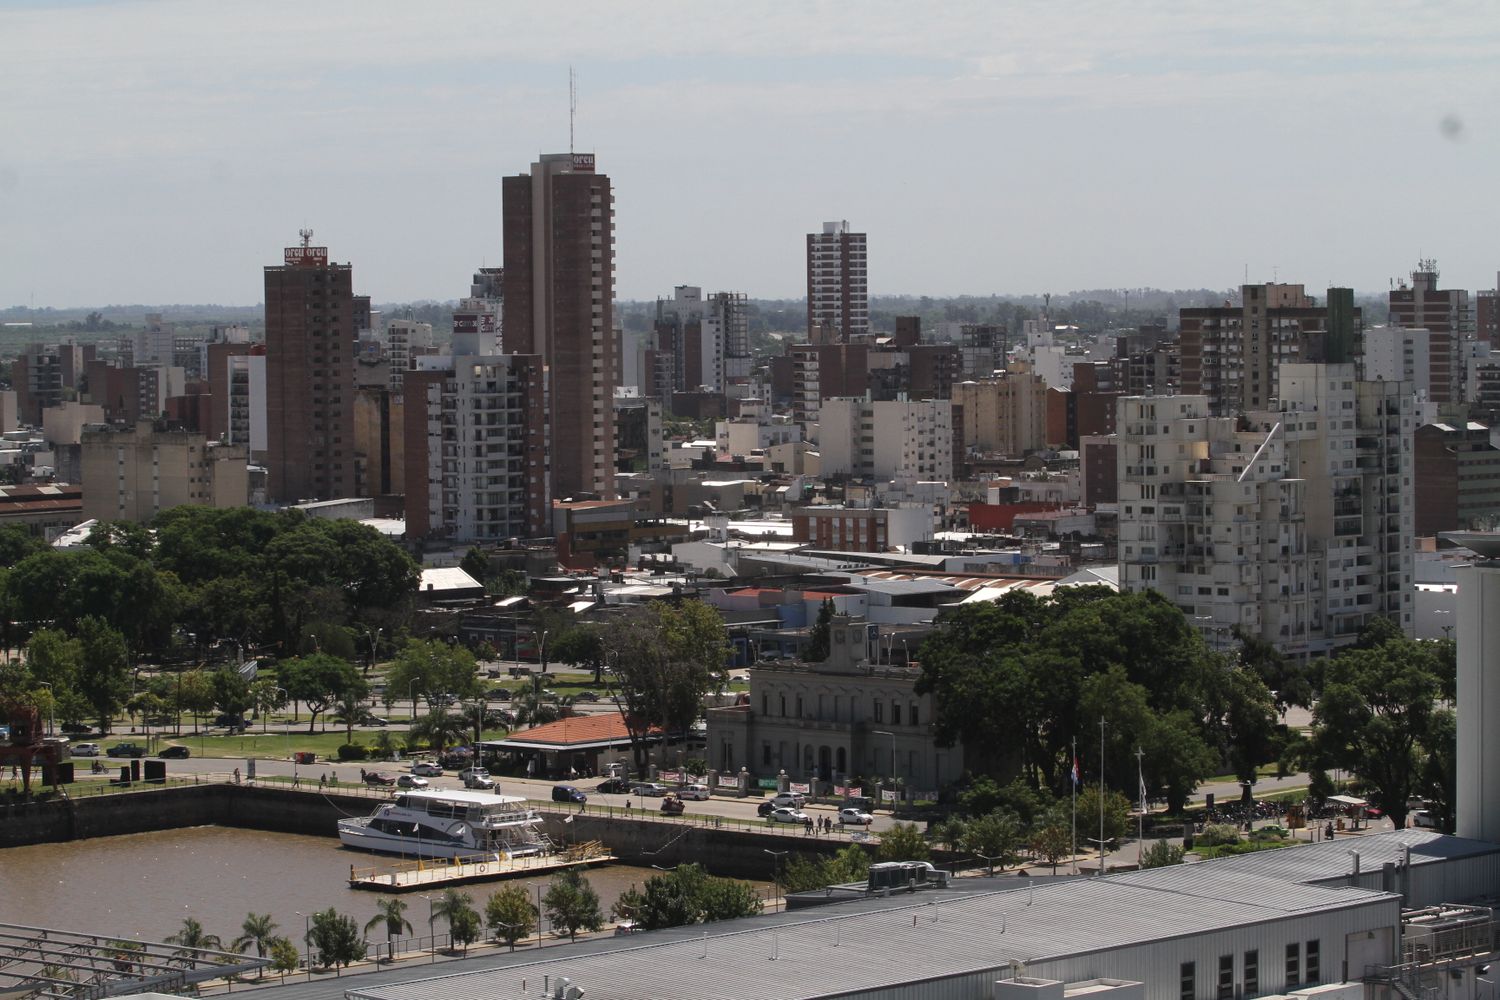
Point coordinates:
pixel 1303 965
pixel 878 709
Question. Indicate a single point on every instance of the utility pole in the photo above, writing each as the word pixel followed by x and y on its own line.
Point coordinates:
pixel 1140 841
pixel 1101 796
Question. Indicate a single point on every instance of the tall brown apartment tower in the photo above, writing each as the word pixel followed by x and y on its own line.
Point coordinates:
pixel 1448 317
pixel 838 286
pixel 309 376
pixel 559 292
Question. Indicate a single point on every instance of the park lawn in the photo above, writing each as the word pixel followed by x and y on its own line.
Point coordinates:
pixel 276 745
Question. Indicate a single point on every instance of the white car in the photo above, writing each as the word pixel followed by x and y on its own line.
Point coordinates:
pixel 788 815
pixel 695 792
pixel 476 777
pixel 648 788
pixel 411 781
pixel 427 769
pixel 789 800
pixel 855 817
pixel 84 750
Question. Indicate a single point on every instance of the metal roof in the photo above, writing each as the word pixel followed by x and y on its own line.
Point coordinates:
pixel 878 945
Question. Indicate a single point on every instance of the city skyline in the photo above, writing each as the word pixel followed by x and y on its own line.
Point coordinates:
pixel 1041 149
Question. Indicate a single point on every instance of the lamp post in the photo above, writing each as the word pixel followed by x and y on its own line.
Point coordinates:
pixel 287 733
pixel 541 651
pixel 886 732
pixel 538 887
pixel 306 942
pixel 51 707
pixel 776 857
pixel 412 697
pixel 431 929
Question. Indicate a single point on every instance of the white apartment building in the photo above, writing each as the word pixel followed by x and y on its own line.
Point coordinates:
pixel 888 439
pixel 484 420
pixel 247 402
pixel 1398 354
pixel 745 435
pixel 402 336
pixel 1294 524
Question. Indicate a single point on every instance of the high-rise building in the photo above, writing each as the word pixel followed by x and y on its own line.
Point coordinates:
pixel 838 286
pixel 405 338
pixel 1292 524
pixel 1004 415
pixel 558 291
pixel 1457 472
pixel 1487 315
pixel 134 474
pixel 1232 353
pixel 309 376
pixel 1448 317
pixel 728 314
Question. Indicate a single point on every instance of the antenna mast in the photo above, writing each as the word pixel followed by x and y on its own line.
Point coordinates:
pixel 306 235
pixel 572 105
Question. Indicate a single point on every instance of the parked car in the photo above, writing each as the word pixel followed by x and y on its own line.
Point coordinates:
pixel 1424 819
pixel 376 778
pixel 371 719
pixel 85 750
pixel 791 800
pixel 671 805
pixel 427 769
pixel 126 750
pixel 410 781
pixel 785 814
pixel 476 777
pixel 648 788
pixel 612 786
pixel 764 809
pixel 233 721
pixel 498 694
pixel 849 816
pixel 175 753
pixel 493 672
pixel 696 792
pixel 567 793
pixel 586 696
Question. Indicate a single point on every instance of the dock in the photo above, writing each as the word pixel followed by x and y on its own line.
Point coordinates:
pixel 426 873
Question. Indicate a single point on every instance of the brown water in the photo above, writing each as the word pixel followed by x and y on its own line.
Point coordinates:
pixel 143 885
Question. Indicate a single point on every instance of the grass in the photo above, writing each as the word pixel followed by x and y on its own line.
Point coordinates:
pixel 279 746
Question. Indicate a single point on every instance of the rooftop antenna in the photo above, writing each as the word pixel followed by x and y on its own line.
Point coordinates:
pixel 572 105
pixel 306 235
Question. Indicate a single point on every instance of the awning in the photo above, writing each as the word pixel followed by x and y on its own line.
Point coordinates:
pixel 1347 800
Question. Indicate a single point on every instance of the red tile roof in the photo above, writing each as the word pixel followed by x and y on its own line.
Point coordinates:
pixel 577 729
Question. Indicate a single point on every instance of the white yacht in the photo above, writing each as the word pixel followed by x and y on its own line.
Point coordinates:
pixel 448 823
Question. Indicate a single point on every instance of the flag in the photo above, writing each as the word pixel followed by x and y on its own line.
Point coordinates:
pixel 1143 790
pixel 1077 775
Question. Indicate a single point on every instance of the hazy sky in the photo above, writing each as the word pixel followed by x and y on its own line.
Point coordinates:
pixel 161 152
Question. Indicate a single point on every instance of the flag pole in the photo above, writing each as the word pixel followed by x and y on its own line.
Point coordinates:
pixel 1073 789
pixel 1140 841
pixel 1101 796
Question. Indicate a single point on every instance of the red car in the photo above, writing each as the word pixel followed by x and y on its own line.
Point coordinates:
pixel 376 778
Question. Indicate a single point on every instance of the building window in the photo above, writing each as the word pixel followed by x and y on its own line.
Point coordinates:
pixel 1226 978
pixel 799 706
pixel 1185 985
pixel 1314 962
pixel 765 754
pixel 879 710
pixel 913 713
pixel 1293 966
pixel 895 713
pixel 765 704
pixel 783 706
pixel 1252 972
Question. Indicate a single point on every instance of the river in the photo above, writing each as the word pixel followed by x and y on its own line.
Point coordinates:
pixel 143 885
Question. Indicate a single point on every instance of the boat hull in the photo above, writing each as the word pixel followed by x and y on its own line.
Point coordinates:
pixel 366 839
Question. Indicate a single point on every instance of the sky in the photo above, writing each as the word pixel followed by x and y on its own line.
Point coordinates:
pixel 164 152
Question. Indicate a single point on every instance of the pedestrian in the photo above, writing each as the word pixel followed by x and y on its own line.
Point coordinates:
pixel 322 781
pixel 1328 833
pixel 236 776
pixel 807 827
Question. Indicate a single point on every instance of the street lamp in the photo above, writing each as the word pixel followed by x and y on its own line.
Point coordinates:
pixel 287 733
pixel 306 942
pixel 431 929
pixel 775 867
pixel 541 651
pixel 886 732
pixel 51 707
pixel 538 887
pixel 411 696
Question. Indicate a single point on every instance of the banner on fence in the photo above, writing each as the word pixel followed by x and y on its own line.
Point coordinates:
pixel 887 795
pixel 801 788
pixel 848 791
pixel 770 783
pixel 668 776
pixel 728 782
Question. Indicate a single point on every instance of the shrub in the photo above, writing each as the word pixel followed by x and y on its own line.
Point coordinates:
pixel 1161 854
pixel 1218 834
pixel 353 751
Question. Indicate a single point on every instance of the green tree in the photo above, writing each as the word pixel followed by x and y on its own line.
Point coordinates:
pixel 510 914
pixel 584 645
pixel 1161 854
pixel 572 905
pixel 1116 812
pixel 390 913
pixel 318 681
pixel 1375 713
pixel 996 837
pixel 687 895
pixel 818 636
pixel 16 543
pixel 438 729
pixel 284 956
pixel 1439 781
pixel 666 659
pixel 267 697
pixel 194 695
pixel 1052 839
pixel 231 692
pixel 428 668
pixel 258 931
pixel 191 937
pixel 902 842
pixel 52 657
pixel 336 937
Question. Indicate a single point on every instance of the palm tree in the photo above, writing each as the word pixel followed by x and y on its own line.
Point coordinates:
pixel 392 913
pixel 438 729
pixel 191 938
pixel 534 708
pixel 458 909
pixel 259 930
pixel 349 708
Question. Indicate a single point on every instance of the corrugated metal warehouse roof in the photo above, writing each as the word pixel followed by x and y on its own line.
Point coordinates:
pixel 935 936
